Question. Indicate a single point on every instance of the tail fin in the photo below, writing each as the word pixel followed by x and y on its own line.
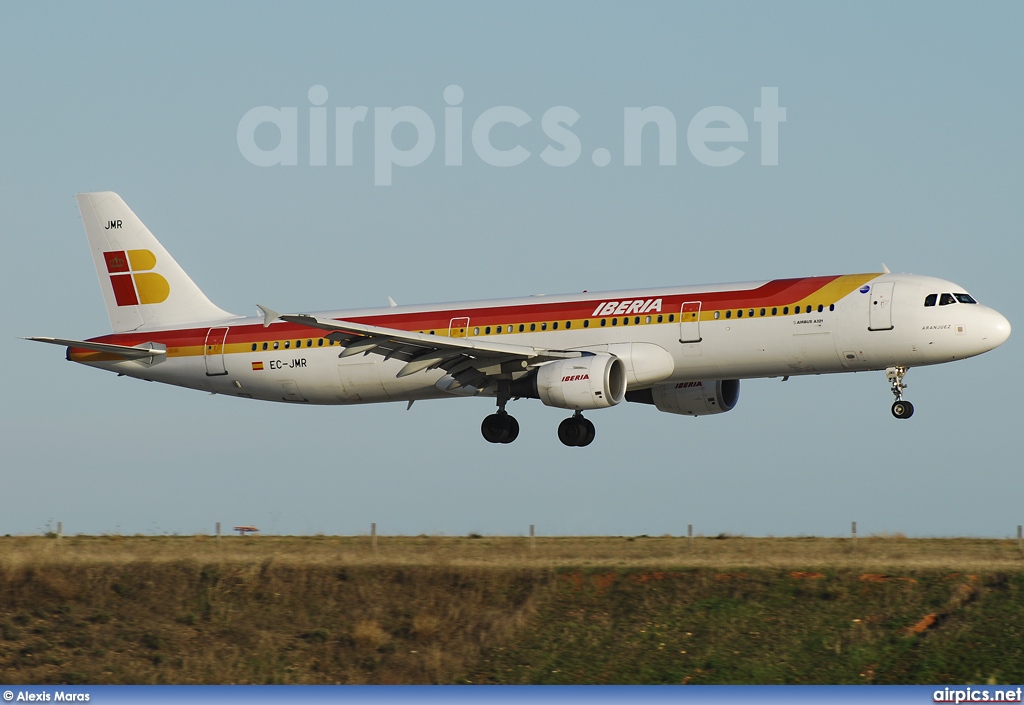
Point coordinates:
pixel 143 287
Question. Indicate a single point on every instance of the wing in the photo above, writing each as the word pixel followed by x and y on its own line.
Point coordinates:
pixel 470 361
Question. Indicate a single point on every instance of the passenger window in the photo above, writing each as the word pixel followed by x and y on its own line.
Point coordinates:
pixel 739 314
pixel 254 346
pixel 647 320
pixel 717 313
pixel 543 326
pixel 522 327
pixel 831 307
pixel 931 299
pixel 586 323
pixel 965 298
pixel 287 344
pixel 785 311
pixel 320 343
pixel 554 326
pixel 762 311
pixel 671 317
pixel 660 318
pixel 487 330
pixel 533 326
pixel 276 343
pixel 625 320
pixel 476 331
pixel 309 343
pixel 775 311
pixel 615 321
pixel 264 346
pixel 820 308
pixel 603 321
pixel 728 314
pixel 637 320
pixel 946 299
pixel 750 313
pixel 568 324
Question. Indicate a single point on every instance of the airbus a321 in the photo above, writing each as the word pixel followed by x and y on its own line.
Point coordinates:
pixel 682 349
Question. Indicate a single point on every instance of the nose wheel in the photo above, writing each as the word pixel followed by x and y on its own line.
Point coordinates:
pixel 576 431
pixel 900 409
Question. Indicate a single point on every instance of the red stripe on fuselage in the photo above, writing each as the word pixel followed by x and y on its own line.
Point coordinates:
pixel 778 292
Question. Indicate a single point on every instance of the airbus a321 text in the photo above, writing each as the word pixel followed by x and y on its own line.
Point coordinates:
pixel 681 349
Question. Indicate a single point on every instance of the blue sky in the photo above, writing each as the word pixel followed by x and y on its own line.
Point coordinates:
pixel 900 145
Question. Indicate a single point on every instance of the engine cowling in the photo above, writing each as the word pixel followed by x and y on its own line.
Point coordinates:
pixel 691 398
pixel 588 382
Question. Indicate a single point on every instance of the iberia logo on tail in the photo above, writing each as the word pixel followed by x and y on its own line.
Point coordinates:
pixel 131 279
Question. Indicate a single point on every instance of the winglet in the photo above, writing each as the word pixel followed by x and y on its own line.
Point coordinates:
pixel 269 315
pixel 392 302
pixel 885 270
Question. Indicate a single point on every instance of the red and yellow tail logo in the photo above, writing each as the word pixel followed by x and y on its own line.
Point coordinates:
pixel 133 283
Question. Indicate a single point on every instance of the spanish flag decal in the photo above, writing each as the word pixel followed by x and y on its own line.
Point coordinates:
pixel 257 365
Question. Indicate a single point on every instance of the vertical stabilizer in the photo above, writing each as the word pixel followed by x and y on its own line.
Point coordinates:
pixel 142 285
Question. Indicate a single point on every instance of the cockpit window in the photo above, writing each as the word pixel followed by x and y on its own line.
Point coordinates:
pixel 930 299
pixel 965 298
pixel 946 299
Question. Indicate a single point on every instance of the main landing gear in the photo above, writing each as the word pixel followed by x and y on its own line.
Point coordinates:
pixel 900 409
pixel 502 427
pixel 576 431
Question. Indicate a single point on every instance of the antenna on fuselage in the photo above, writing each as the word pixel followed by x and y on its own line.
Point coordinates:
pixel 885 270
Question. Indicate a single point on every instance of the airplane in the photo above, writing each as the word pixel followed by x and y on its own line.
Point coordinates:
pixel 682 350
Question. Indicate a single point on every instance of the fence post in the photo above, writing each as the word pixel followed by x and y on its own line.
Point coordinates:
pixel 533 537
pixel 853 533
pixel 218 531
pixel 1020 539
pixel 60 530
pixel 373 536
pixel 689 535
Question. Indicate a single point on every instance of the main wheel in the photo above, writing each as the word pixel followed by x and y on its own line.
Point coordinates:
pixel 573 431
pixel 513 429
pixel 496 428
pixel 591 432
pixel 902 409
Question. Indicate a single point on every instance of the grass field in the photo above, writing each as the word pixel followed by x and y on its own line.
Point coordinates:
pixel 114 609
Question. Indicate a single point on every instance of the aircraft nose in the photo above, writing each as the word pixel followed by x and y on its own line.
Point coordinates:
pixel 996 331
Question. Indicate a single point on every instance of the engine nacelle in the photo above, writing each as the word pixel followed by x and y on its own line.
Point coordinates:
pixel 691 398
pixel 588 382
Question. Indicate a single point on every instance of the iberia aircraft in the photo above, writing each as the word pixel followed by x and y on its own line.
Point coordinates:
pixel 681 349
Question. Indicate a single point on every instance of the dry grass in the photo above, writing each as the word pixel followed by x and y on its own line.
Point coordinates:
pixel 876 553
pixel 112 609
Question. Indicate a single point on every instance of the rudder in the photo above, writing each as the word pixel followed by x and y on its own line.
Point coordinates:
pixel 142 285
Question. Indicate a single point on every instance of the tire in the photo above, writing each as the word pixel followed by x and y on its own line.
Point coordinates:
pixel 571 432
pixel 902 409
pixel 513 429
pixel 591 432
pixel 495 428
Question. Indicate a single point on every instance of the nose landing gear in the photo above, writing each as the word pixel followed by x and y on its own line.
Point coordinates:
pixel 900 409
pixel 576 431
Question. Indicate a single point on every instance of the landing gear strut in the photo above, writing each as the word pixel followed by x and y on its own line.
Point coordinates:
pixel 900 409
pixel 500 427
pixel 576 431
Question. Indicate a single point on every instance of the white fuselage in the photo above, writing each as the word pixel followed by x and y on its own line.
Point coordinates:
pixel 736 331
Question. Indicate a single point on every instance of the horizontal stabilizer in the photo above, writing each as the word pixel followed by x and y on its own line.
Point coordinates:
pixel 129 352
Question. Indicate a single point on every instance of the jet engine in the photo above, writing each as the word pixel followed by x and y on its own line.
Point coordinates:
pixel 691 398
pixel 588 382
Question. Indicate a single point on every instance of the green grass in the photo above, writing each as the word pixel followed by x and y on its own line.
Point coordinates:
pixel 503 610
